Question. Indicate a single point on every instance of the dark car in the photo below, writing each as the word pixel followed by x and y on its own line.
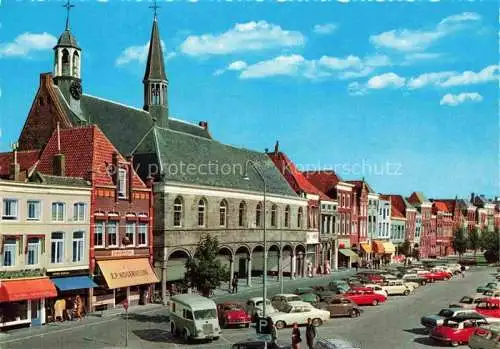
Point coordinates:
pixel 341 306
pixel 257 344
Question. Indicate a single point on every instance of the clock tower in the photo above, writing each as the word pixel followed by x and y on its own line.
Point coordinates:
pixel 67 65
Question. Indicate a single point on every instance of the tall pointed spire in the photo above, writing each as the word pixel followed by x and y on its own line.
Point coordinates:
pixel 155 66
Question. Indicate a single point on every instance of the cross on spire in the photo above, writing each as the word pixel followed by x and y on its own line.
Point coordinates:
pixel 68 7
pixel 155 8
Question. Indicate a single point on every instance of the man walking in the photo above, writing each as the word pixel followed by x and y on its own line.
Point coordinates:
pixel 310 333
pixel 235 284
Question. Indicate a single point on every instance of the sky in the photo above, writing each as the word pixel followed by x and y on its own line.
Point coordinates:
pixel 402 94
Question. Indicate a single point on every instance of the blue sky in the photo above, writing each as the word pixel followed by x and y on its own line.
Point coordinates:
pixel 404 94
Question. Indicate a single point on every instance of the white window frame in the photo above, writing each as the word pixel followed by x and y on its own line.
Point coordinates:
pixel 58 258
pixel 33 246
pixel 79 211
pixel 10 247
pixel 80 247
pixel 11 216
pixel 59 214
pixel 223 213
pixel 38 210
pixel 128 227
pixel 142 228
pixel 122 183
pixel 178 210
pixel 111 226
pixel 202 213
pixel 98 225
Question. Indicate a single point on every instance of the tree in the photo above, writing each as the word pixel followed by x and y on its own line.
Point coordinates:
pixel 405 248
pixel 489 242
pixel 459 242
pixel 474 242
pixel 205 271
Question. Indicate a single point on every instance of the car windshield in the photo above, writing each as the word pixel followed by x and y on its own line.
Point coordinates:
pixel 259 303
pixel 466 300
pixel 205 314
pixel 233 307
pixel 446 313
pixel 287 308
pixel 294 298
pixel 451 324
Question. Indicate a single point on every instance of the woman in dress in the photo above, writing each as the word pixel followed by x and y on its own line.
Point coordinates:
pixel 296 336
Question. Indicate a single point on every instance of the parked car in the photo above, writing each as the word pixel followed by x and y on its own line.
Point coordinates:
pixel 489 307
pixel 340 285
pixel 302 290
pixel 456 330
pixel 299 312
pixel 371 276
pixel 441 274
pixel 377 289
pixel 281 300
pixel 431 321
pixel 324 292
pixel 324 343
pixel 413 277
pixel 444 269
pixel 365 297
pixel 492 293
pixel 487 287
pixel 233 314
pixel 341 306
pixel 310 298
pixel 255 305
pixel 487 337
pixel 396 287
pixel 431 277
pixel 256 344
pixel 468 302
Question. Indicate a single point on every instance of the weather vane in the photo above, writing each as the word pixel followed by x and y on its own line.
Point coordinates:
pixel 155 7
pixel 68 7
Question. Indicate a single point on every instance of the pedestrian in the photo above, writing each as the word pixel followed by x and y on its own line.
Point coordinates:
pixel 310 334
pixel 462 270
pixel 274 334
pixel 296 336
pixel 356 265
pixel 235 285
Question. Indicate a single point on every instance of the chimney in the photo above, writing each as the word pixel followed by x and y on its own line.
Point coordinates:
pixel 277 147
pixel 266 150
pixel 203 124
pixel 472 197
pixel 59 160
pixel 14 167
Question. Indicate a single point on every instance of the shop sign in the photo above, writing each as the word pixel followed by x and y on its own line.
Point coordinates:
pixel 122 253
pixel 312 237
pixel 129 274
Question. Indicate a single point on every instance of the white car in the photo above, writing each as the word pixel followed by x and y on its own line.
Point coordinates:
pixel 280 300
pixel 299 312
pixel 396 287
pixel 411 285
pixel 377 289
pixel 255 306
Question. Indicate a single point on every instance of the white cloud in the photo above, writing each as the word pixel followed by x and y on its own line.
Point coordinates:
pixel 454 100
pixel 415 57
pixel 429 79
pixel 26 43
pixel 356 74
pixel 408 40
pixel 140 54
pixel 281 65
pixel 250 36
pixel 237 65
pixel 335 63
pixel 356 89
pixel 385 80
pixel 324 29
pixel 489 73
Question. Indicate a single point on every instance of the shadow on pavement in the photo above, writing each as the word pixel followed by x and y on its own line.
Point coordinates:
pixel 147 318
pixel 429 342
pixel 418 330
pixel 153 335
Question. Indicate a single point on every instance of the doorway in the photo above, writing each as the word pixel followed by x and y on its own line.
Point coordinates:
pixel 36 312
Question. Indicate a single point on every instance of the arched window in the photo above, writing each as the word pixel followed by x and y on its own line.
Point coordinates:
pixel 223 213
pixel 178 212
pixel 258 214
pixel 76 64
pixel 287 216
pixel 202 207
pixel 242 214
pixel 299 217
pixel 65 62
pixel 274 215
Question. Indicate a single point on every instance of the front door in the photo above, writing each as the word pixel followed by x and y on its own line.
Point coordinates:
pixel 36 318
pixel 242 267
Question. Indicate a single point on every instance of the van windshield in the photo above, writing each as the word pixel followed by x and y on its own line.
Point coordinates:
pixel 205 314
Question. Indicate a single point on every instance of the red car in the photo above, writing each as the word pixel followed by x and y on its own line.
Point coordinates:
pixel 489 307
pixel 456 331
pixel 233 314
pixel 433 276
pixel 364 296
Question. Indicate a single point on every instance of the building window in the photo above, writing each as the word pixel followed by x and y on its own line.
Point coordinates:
pixel 9 209
pixel 9 253
pixel 33 210
pixel 111 233
pixel 287 216
pixel 99 234
pixel 58 211
pixel 122 183
pixel 348 199
pixel 300 213
pixel 223 213
pixel 202 213
pixel 33 252
pixel 142 235
pixel 258 214
pixel 57 248
pixel 342 200
pixel 274 215
pixel 78 244
pixel 130 233
pixel 178 212
pixel 242 214
pixel 79 212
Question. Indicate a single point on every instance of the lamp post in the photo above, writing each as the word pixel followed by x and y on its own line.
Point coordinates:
pixel 264 281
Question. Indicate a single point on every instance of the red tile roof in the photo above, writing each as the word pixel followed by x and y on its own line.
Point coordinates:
pixel 439 206
pixel 294 177
pixel 26 160
pixel 398 202
pixel 450 204
pixel 395 213
pixel 324 181
pixel 87 150
pixel 358 186
pixel 384 197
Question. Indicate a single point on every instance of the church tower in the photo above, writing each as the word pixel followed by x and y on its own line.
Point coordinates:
pixel 155 79
pixel 67 64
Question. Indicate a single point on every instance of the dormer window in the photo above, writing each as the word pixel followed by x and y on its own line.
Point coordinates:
pixel 122 183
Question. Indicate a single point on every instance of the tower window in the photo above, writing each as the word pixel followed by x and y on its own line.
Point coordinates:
pixel 65 62
pixel 76 65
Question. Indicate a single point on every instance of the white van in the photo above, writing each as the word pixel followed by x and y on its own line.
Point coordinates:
pixel 194 317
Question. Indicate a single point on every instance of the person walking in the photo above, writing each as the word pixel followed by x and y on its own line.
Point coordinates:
pixel 462 270
pixel 296 336
pixel 235 284
pixel 310 334
pixel 274 334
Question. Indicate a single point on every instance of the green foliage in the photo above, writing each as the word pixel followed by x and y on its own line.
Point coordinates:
pixel 460 241
pixel 205 271
pixel 473 240
pixel 19 274
pixel 489 240
pixel 404 248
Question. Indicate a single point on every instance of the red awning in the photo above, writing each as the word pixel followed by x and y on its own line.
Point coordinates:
pixel 21 290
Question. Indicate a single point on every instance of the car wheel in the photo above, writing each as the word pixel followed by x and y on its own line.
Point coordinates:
pixel 375 302
pixel 317 322
pixel 185 336
pixel 354 313
pixel 406 292
pixel 280 325
pixel 172 330
pixel 454 343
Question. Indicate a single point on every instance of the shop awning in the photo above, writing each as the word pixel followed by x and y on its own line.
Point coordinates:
pixel 127 272
pixel 378 246
pixel 21 290
pixel 73 283
pixel 389 247
pixel 349 253
pixel 366 247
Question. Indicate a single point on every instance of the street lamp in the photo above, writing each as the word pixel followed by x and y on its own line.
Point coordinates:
pixel 264 281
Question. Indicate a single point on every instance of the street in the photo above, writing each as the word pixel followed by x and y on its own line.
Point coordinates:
pixel 395 324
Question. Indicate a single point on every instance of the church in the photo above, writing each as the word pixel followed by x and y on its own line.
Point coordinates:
pixel 200 185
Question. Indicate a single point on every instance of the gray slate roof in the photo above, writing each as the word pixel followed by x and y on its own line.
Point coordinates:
pixel 58 180
pixel 67 39
pixel 155 69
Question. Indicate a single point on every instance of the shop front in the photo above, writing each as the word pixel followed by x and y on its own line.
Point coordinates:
pixel 312 250
pixel 22 301
pixel 123 279
pixel 366 250
pixel 378 253
pixel 389 251
pixel 73 296
pixel 343 260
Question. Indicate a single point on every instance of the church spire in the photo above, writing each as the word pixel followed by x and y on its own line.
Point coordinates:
pixel 155 79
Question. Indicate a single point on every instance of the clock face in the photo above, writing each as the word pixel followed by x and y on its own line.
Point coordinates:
pixel 76 90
